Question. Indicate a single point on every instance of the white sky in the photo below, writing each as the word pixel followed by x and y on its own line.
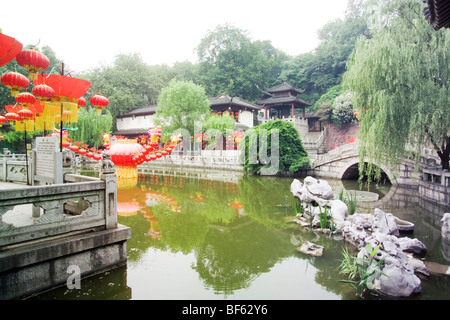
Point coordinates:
pixel 88 33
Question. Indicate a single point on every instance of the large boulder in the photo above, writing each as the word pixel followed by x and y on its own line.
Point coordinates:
pixel 318 188
pixel 384 223
pixel 445 229
pixel 395 275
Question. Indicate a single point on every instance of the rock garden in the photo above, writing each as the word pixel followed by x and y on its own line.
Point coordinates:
pixel 387 262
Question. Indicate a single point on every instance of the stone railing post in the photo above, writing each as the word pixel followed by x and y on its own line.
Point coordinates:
pixel 108 175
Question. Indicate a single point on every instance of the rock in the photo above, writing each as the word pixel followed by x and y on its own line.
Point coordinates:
pixel 445 230
pixel 412 245
pixel 311 249
pixel 363 219
pixel 319 188
pixel 419 266
pixel 397 280
pixel 339 210
pixel 354 233
pixel 396 276
pixel 445 233
pixel 296 188
pixel 384 223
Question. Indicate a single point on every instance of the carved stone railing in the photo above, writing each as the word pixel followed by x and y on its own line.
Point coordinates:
pixel 14 168
pixel 80 204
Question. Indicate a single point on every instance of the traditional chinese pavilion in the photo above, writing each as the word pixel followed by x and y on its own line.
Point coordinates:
pixel 437 13
pixel 284 100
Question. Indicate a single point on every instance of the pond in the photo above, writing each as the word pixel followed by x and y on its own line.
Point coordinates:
pixel 229 237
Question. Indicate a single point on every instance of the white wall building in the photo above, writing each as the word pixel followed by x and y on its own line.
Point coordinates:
pixel 138 121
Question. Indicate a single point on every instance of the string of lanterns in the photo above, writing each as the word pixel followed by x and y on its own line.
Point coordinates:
pixel 53 98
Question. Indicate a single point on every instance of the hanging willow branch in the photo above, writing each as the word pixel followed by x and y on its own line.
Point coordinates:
pixel 399 79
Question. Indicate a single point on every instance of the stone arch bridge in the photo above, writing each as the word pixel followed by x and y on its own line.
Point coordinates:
pixel 342 163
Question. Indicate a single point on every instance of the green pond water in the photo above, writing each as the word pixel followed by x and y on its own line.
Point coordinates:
pixel 229 237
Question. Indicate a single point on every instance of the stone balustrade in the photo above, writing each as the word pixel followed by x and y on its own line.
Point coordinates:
pixel 81 203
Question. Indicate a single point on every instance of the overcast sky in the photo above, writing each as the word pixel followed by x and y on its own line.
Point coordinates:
pixel 88 33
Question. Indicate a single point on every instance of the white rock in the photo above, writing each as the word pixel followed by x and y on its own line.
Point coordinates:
pixel 311 249
pixel 384 223
pixel 445 230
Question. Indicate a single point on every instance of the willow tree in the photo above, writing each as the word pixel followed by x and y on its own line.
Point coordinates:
pixel 400 82
pixel 91 126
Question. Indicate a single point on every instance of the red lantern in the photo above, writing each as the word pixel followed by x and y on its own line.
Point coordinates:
pixel 11 116
pixel 99 102
pixel 43 92
pixel 26 114
pixel 66 144
pixel 97 157
pixel 81 102
pixel 82 152
pixel 25 99
pixel 90 155
pixel 33 61
pixel 74 148
pixel 9 48
pixel 2 120
pixel 14 81
pixel 122 154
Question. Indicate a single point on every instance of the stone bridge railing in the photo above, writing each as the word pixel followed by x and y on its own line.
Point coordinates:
pixel 345 151
pixel 206 159
pixel 80 204
pixel 14 168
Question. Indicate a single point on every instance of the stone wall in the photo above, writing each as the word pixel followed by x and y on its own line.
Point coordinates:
pixel 338 136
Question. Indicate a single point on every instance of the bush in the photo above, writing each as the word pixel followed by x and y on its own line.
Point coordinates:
pixel 343 109
pixel 289 151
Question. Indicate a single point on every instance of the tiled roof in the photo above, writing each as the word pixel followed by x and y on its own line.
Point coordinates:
pixel 141 111
pixel 284 87
pixel 283 100
pixel 437 13
pixel 225 99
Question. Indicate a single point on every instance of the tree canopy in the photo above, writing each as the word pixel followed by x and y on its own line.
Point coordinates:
pixel 229 62
pixel 400 82
pixel 180 105
pixel 272 148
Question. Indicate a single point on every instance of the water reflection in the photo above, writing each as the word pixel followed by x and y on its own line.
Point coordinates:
pixel 196 238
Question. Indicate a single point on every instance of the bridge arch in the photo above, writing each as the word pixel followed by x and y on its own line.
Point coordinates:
pixel 351 171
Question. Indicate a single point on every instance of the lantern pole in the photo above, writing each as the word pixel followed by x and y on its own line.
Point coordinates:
pixel 61 120
pixel 26 149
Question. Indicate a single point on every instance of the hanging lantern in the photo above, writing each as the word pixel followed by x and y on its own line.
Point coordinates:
pixel 99 102
pixel 81 102
pixel 14 81
pixel 26 114
pixel 9 48
pixel 25 99
pixel 11 116
pixel 2 120
pixel 33 61
pixel 43 92
pixel 73 148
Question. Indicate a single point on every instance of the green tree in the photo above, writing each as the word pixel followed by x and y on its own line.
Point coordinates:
pixel 91 126
pixel 400 82
pixel 229 62
pixel 222 123
pixel 180 105
pixel 128 84
pixel 318 71
pixel 258 146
